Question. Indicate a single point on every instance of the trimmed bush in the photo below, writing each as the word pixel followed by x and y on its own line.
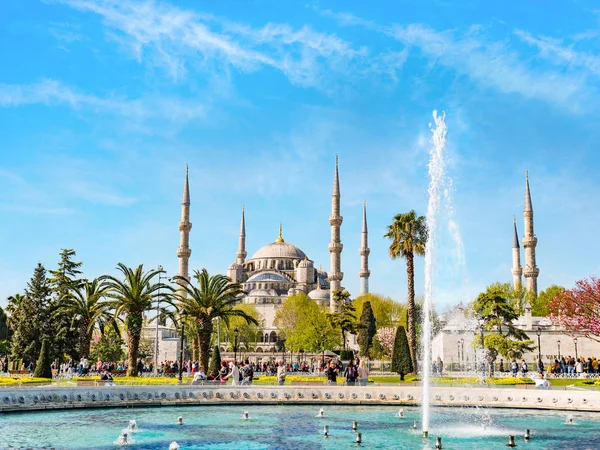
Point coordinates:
pixel 43 367
pixel 401 360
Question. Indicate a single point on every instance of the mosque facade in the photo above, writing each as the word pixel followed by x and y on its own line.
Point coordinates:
pixel 280 269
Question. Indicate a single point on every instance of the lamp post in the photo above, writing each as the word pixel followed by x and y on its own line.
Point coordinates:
pixel 160 277
pixel 539 333
pixel 183 315
pixel 235 341
pixel 575 342
pixel 558 344
pixel 483 359
pixel 462 353
pixel 323 361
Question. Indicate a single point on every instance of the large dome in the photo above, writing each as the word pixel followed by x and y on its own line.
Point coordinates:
pixel 279 250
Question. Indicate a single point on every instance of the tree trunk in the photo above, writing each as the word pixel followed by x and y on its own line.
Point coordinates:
pixel 84 340
pixel 134 331
pixel 204 336
pixel 195 348
pixel 410 308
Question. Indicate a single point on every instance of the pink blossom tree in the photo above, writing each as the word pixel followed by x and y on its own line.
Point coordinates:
pixel 578 309
pixel 386 337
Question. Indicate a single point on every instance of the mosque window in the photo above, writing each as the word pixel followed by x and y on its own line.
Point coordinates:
pixel 273 337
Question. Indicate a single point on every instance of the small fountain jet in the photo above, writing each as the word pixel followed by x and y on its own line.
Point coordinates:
pixel 245 416
pixel 174 446
pixel 570 420
pixel 132 426
pixel 321 413
pixel 180 420
pixel 400 413
pixel 124 438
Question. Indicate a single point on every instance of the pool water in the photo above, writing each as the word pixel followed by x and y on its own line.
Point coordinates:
pixel 297 427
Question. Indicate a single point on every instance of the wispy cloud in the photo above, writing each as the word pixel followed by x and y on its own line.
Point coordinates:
pixel 555 51
pixel 52 92
pixel 181 40
pixel 490 63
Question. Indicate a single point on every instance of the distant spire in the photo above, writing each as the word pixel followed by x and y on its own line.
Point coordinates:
pixel 364 223
pixel 336 179
pixel 528 206
pixel 364 251
pixel 318 283
pixel 241 254
pixel 280 238
pixel 186 189
pixel 515 235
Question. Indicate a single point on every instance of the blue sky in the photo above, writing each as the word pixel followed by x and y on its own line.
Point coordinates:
pixel 104 102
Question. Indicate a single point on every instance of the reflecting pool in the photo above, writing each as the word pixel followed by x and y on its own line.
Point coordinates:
pixel 295 427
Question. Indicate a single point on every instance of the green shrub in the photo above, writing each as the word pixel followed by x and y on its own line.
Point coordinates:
pixel 43 368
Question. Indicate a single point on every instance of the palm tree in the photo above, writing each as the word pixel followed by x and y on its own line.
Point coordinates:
pixel 130 299
pixel 86 310
pixel 408 233
pixel 214 297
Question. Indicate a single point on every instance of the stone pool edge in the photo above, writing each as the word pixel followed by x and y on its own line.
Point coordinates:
pixel 67 398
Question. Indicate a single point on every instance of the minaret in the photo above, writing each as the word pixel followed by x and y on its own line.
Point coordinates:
pixel 517 271
pixel 241 254
pixel 184 251
pixel 531 270
pixel 335 246
pixel 364 255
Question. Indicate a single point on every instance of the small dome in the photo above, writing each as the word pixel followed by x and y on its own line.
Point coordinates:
pixel 319 294
pixel 267 276
pixel 306 263
pixel 236 266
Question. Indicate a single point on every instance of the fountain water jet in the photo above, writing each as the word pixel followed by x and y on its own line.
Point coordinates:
pixel 437 175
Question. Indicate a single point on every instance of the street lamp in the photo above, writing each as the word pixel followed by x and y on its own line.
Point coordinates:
pixel 539 333
pixel 160 277
pixel 483 358
pixel 458 353
pixel 462 352
pixel 575 342
pixel 183 315
pixel 323 361
pixel 558 343
pixel 235 341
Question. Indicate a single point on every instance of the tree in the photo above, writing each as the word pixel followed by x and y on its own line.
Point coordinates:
pixel 247 331
pixel 540 305
pixel 345 318
pixel 388 313
pixel 85 309
pixel 31 318
pixel 214 297
pixel 130 299
pixel 408 233
pixel 498 315
pixel 215 361
pixel 386 337
pixel 43 367
pixel 401 358
pixel 305 325
pixel 578 309
pixel 107 346
pixel 63 281
pixel 5 333
pixel 366 330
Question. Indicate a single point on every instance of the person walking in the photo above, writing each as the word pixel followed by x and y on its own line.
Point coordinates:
pixel 351 373
pixel 281 373
pixel 331 372
pixel 363 373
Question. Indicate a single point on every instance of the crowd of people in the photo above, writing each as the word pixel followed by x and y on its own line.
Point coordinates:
pixel 575 366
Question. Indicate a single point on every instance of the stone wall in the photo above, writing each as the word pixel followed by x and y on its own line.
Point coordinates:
pixel 45 398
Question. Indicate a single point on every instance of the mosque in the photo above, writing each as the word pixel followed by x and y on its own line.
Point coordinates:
pixel 280 269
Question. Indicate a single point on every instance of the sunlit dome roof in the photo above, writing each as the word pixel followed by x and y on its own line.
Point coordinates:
pixel 279 250
pixel 267 276
pixel 319 294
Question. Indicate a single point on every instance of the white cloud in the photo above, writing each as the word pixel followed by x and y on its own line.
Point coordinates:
pixel 52 92
pixel 490 63
pixel 177 40
pixel 557 53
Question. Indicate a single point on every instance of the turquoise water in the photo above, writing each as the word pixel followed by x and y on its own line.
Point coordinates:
pixel 296 427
